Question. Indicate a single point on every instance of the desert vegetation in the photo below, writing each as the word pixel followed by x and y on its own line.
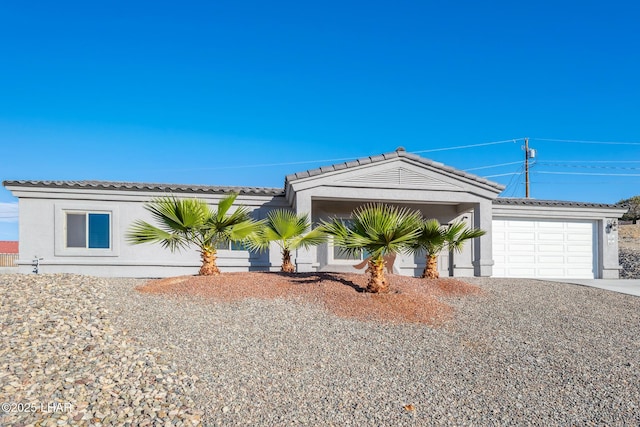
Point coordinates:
pixel 379 230
pixel 183 222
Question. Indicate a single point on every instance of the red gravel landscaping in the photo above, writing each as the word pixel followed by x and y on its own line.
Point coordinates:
pixel 411 299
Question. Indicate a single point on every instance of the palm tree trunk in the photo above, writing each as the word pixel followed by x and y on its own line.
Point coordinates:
pixel 209 267
pixel 377 282
pixel 287 266
pixel 431 268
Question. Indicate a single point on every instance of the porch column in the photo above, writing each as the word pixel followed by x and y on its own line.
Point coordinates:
pixel 608 249
pixel 463 261
pixel 304 258
pixel 483 254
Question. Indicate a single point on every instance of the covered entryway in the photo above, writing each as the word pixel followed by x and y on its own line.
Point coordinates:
pixel 400 179
pixel 544 248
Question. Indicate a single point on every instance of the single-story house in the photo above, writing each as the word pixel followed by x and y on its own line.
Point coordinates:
pixel 79 226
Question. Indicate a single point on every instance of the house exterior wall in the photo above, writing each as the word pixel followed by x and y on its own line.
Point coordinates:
pixel 42 236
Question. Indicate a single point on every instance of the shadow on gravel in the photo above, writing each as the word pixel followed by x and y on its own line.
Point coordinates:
pixel 306 278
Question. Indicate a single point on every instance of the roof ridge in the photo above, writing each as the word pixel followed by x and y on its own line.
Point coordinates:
pixel 399 152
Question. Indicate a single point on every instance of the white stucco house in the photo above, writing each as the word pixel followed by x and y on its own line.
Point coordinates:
pixel 79 226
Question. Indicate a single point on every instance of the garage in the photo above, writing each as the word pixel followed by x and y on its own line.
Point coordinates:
pixel 544 248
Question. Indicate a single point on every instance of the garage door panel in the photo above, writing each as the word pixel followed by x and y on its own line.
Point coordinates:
pixel 500 235
pixel 579 247
pixel 579 238
pixel 581 260
pixel 517 247
pixel 587 225
pixel 545 236
pixel 544 248
pixel 548 259
pixel 514 236
pixel 550 248
pixel 521 259
pixel 522 224
pixel 549 225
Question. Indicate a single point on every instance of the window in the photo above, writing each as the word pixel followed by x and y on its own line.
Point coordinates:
pixel 88 230
pixel 339 254
pixel 233 246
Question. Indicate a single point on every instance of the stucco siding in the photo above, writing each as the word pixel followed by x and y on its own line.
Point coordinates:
pixel 42 235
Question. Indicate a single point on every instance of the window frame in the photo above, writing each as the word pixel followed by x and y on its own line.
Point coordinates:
pixel 60 237
pixel 332 260
pixel 231 247
pixel 87 229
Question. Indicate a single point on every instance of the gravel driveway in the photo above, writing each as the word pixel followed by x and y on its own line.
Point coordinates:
pixel 525 353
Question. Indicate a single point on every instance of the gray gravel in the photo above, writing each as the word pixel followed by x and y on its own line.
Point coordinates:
pixel 526 353
pixel 63 362
pixel 630 262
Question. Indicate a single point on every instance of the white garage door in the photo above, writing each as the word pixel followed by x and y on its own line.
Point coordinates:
pixel 544 248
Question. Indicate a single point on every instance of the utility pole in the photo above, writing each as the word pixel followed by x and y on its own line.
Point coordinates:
pixel 526 166
pixel 528 154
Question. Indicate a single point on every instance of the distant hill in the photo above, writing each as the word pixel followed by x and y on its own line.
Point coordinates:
pixel 629 236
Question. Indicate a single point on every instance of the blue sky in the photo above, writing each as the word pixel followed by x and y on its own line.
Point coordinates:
pixel 206 92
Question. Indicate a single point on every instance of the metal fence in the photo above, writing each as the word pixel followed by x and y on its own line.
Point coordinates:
pixel 8 260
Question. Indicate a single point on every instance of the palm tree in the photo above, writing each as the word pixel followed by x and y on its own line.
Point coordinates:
pixel 380 230
pixel 288 230
pixel 191 221
pixel 434 238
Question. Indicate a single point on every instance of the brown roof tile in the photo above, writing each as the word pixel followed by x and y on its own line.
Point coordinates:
pixel 8 247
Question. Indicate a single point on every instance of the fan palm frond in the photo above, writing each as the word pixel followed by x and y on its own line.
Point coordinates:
pixel 182 222
pixel 378 229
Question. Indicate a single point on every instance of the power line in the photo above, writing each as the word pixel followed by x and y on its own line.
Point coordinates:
pixel 586 166
pixel 513 180
pixel 594 161
pixel 459 147
pixel 503 174
pixel 599 182
pixel 588 173
pixel 467 146
pixel 493 166
pixel 579 141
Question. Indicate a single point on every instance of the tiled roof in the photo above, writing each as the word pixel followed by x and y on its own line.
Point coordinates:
pixel 552 203
pixel 400 152
pixel 136 186
pixel 8 247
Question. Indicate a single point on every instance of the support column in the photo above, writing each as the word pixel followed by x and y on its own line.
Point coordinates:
pixel 483 254
pixel 304 258
pixel 463 261
pixel 608 249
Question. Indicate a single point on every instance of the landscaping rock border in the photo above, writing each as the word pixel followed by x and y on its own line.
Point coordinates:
pixel 63 362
